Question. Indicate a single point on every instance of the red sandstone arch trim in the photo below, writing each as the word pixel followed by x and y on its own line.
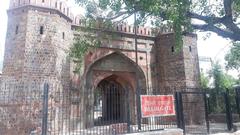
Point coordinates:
pixel 125 79
pixel 138 68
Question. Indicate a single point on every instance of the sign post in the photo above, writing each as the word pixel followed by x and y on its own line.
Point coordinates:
pixel 157 105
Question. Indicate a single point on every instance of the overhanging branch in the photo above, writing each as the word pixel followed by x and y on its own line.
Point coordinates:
pixel 207 19
pixel 220 32
pixel 232 31
pixel 228 7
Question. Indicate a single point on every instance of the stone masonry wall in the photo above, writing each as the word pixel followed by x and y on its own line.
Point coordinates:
pixel 34 55
pixel 169 64
pixel 46 54
pixel 15 44
pixel 191 62
pixel 177 66
pixel 31 59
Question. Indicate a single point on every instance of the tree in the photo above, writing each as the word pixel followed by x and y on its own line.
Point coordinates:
pixel 219 16
pixel 221 80
pixel 233 57
pixel 218 77
pixel 222 83
pixel 81 46
pixel 204 81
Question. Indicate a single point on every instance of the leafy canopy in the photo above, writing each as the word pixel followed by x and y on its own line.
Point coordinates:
pixel 233 57
pixel 204 81
pixel 221 80
pixel 219 16
pixel 222 83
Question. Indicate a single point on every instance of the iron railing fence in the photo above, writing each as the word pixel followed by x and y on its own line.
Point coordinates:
pixel 192 112
pixel 35 108
pixel 200 112
pixel 237 99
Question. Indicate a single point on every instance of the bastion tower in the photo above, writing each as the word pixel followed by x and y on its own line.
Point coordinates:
pixel 37 40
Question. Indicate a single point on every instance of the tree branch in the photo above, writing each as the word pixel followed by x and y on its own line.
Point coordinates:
pixel 117 16
pixel 232 31
pixel 206 19
pixel 228 7
pixel 220 32
pixel 117 22
pixel 213 22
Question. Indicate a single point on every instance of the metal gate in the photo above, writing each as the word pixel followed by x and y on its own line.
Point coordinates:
pixel 204 113
pixel 34 108
pixel 237 97
pixel 220 112
pixel 112 112
pixel 188 104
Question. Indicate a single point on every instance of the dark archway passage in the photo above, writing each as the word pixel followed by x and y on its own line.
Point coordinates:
pixel 109 102
pixel 120 69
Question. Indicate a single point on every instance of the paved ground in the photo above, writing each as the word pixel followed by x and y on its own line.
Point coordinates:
pixel 235 133
pixel 202 129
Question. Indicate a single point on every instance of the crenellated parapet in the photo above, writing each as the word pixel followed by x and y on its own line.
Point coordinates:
pixel 59 5
pixel 122 27
pixel 62 8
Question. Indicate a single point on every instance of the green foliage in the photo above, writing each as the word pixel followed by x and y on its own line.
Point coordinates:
pixel 86 41
pixel 218 77
pixel 172 12
pixel 233 57
pixel 204 81
pixel 89 38
pixel 177 13
pixel 221 80
pixel 222 83
pixel 236 8
pixel 80 48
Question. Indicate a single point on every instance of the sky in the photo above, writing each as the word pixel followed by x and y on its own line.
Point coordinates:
pixel 214 47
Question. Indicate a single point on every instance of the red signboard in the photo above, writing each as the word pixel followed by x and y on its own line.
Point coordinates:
pixel 157 105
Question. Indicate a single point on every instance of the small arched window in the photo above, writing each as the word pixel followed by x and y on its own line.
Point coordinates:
pixel 63 35
pixel 173 49
pixel 41 30
pixel 16 30
pixel 190 49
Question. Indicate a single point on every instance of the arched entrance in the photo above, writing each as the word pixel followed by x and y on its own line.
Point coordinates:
pixel 109 102
pixel 110 77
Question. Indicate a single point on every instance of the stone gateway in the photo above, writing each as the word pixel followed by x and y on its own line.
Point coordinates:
pixel 39 36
